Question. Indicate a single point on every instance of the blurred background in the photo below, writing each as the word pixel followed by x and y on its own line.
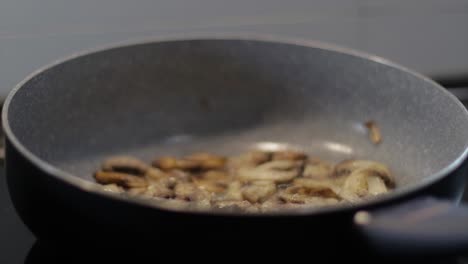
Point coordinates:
pixel 430 36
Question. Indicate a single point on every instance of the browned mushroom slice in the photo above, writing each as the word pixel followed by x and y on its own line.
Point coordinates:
pixel 233 192
pixel 169 182
pixel 284 201
pixel 171 163
pixel 125 164
pixel 113 188
pixel 289 155
pixel 160 189
pixel 374 132
pixel 346 167
pixel 235 206
pixel 315 187
pixel 301 197
pixel 185 191
pixel 287 196
pixel 363 182
pixel 190 192
pixel 165 163
pixel 214 175
pixel 278 171
pixel 268 207
pixel 250 159
pixel 212 181
pixel 180 175
pixel 138 191
pixel 376 185
pixel 271 202
pixel 203 204
pixel 188 165
pixel 317 169
pixel 312 187
pixel 210 186
pixel 176 204
pixel 356 183
pixel 121 179
pixel 258 191
pixel 207 161
pixel 155 174
pixel 317 201
pixel 304 190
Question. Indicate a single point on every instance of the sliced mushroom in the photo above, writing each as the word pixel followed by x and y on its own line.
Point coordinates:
pixel 346 167
pixel 316 201
pixel 160 189
pixel 189 192
pixel 203 204
pixel 212 181
pixel 233 192
pixel 155 189
pixel 171 163
pixel 255 181
pixel 272 202
pixel 376 185
pixel 268 207
pixel 155 174
pixel 298 196
pixel 113 188
pixel 278 171
pixel 165 163
pixel 121 179
pixel 214 175
pixel 289 155
pixel 357 183
pixel 125 164
pixel 277 204
pixel 258 191
pixel 180 175
pixel 363 182
pixel 250 159
pixel 374 132
pixel 235 206
pixel 312 187
pixel 303 190
pixel 169 182
pixel 208 161
pixel 286 196
pixel 210 186
pixel 317 169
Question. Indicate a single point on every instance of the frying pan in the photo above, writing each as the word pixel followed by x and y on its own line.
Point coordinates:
pixel 228 95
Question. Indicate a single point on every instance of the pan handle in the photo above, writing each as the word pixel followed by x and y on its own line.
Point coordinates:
pixel 425 225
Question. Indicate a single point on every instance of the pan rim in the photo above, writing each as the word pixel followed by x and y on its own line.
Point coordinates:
pixel 95 188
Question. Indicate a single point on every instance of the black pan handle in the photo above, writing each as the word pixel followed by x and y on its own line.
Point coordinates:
pixel 422 226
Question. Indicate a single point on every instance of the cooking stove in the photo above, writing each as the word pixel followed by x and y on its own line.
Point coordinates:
pixel 18 245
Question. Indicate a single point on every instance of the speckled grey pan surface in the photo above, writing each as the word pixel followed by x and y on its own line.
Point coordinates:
pixel 222 95
pixel 227 95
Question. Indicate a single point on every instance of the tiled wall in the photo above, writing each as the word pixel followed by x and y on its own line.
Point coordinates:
pixel 428 35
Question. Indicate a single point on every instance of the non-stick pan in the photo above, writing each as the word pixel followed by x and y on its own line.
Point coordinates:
pixel 227 95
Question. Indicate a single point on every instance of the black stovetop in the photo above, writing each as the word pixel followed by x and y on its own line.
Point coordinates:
pixel 18 244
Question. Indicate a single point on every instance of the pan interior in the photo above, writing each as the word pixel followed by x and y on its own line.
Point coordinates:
pixel 227 96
